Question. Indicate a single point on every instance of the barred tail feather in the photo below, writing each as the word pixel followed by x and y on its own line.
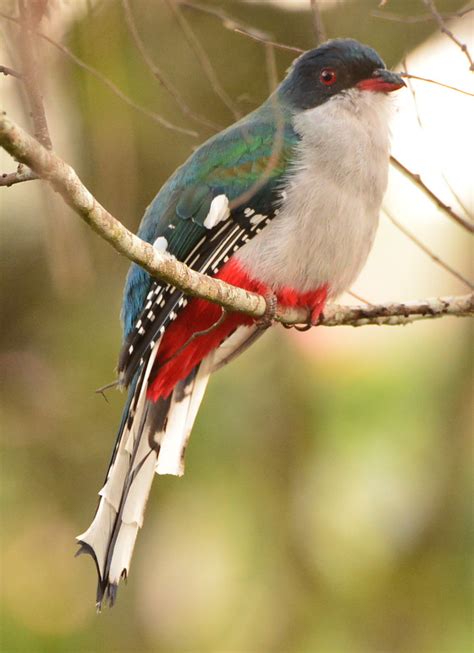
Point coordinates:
pixel 153 438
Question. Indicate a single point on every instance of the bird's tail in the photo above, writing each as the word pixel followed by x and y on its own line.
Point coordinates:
pixel 152 437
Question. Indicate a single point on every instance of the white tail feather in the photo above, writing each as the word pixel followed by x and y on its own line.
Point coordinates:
pixel 234 345
pixel 141 450
pixel 183 411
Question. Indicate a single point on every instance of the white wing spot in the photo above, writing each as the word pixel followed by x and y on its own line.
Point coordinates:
pixel 130 350
pixel 257 218
pixel 248 212
pixel 161 244
pixel 218 211
pixel 141 331
pixel 151 316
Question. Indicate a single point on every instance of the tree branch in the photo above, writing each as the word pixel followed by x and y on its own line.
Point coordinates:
pixel 261 39
pixel 430 5
pixel 158 74
pixel 228 21
pixel 417 180
pixel 202 58
pixel 438 260
pixel 20 175
pixel 25 149
pixel 421 18
pixel 394 314
pixel 31 72
pixel 106 81
pixel 318 25
pixel 433 81
pixel 5 70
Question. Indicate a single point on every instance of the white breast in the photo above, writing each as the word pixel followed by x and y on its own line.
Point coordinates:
pixel 329 215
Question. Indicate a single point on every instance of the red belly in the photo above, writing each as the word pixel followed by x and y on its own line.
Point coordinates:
pixel 173 364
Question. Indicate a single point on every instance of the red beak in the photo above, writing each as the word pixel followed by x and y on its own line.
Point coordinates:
pixel 383 81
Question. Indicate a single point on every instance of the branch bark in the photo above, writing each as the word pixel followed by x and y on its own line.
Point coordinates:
pixel 19 176
pixel 63 179
pixel 31 72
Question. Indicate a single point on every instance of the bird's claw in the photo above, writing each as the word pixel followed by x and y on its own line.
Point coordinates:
pixel 312 321
pixel 304 327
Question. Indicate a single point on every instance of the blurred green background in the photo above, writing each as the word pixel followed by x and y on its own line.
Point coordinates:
pixel 326 503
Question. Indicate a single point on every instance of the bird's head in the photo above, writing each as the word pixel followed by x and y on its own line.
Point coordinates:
pixel 335 67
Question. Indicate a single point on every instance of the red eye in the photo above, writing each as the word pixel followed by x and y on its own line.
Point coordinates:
pixel 328 76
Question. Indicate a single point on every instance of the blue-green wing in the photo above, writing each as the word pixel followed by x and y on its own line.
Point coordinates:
pixel 243 164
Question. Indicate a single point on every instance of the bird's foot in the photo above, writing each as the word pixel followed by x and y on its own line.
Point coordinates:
pixel 267 318
pixel 314 314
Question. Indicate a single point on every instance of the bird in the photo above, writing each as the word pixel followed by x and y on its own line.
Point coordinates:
pixel 284 203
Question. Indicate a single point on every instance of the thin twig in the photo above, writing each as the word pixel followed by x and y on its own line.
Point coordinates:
pixel 359 298
pixel 428 251
pixel 421 18
pixel 420 123
pixel 197 334
pixel 432 81
pixel 31 73
pixel 158 74
pixel 261 39
pixel 5 70
pixel 202 58
pixel 417 180
pixel 107 386
pixel 64 180
pixel 318 24
pixel 228 21
pixel 107 82
pixel 278 140
pixel 272 74
pixel 430 4
pixel 457 197
pixel 22 174
pixel 411 88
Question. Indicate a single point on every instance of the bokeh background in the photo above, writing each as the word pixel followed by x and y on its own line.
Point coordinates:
pixel 326 505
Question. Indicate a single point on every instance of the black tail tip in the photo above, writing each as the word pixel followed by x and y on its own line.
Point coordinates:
pixel 104 588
